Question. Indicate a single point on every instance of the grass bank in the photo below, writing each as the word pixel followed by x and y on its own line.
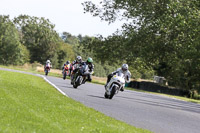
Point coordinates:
pixel 29 104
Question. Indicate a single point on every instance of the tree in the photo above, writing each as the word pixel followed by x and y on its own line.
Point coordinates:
pixel 39 36
pixel 163 34
pixel 65 53
pixel 70 39
pixel 11 50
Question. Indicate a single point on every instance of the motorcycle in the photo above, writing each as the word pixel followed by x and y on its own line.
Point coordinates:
pixel 115 84
pixel 66 71
pixel 80 75
pixel 47 69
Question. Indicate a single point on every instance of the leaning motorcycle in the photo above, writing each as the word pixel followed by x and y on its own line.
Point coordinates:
pixel 66 71
pixel 80 75
pixel 115 84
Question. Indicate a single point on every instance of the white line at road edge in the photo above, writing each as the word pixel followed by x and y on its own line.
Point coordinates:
pixel 53 85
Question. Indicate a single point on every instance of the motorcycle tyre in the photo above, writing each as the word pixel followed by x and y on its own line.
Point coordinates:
pixel 106 95
pixel 75 84
pixel 46 72
pixel 64 76
pixel 112 92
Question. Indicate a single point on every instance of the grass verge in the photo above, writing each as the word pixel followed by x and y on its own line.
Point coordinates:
pixel 29 104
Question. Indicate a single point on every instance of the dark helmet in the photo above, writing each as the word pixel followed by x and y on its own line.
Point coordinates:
pixel 67 62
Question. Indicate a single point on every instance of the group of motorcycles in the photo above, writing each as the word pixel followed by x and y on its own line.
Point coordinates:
pixel 80 76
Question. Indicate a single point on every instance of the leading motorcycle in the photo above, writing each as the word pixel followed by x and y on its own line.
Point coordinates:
pixel 115 84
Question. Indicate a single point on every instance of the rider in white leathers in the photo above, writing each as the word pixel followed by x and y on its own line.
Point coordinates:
pixel 125 71
pixel 48 63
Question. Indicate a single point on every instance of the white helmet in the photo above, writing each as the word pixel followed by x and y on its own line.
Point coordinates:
pixel 48 61
pixel 124 67
pixel 78 58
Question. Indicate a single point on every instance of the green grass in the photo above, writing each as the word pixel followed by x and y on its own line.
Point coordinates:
pixel 29 104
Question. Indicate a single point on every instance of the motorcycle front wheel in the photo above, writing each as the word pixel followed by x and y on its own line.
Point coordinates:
pixel 46 72
pixel 75 84
pixel 64 76
pixel 112 92
pixel 106 95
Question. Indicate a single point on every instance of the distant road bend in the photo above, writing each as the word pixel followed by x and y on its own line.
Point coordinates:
pixel 159 114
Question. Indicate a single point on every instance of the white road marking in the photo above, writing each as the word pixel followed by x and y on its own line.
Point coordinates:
pixel 52 84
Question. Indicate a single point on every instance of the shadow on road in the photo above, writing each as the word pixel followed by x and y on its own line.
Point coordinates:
pixel 96 96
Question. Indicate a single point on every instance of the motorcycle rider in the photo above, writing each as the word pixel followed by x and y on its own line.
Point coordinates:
pixel 48 63
pixel 71 67
pixel 65 65
pixel 124 70
pixel 89 62
pixel 76 64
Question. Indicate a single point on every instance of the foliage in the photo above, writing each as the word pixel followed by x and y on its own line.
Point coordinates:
pixel 11 50
pixel 86 49
pixel 39 36
pixel 69 38
pixel 163 34
pixel 65 53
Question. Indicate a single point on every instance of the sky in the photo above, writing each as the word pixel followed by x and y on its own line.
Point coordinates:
pixel 67 15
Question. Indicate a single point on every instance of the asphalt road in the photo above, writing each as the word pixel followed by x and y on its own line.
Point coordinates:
pixel 159 114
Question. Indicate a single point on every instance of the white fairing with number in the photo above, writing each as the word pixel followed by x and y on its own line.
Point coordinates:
pixel 118 81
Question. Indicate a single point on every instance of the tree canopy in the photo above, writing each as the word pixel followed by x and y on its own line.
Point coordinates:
pixel 11 50
pixel 162 34
pixel 39 36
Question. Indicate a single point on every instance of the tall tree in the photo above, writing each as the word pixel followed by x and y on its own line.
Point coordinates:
pixel 39 36
pixel 11 50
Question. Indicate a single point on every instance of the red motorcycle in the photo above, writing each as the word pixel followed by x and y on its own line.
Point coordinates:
pixel 66 71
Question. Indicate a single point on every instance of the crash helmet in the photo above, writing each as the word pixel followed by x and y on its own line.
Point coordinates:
pixel 124 67
pixel 78 59
pixel 89 60
pixel 67 62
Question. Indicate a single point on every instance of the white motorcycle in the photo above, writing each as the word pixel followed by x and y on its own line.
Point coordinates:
pixel 115 84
